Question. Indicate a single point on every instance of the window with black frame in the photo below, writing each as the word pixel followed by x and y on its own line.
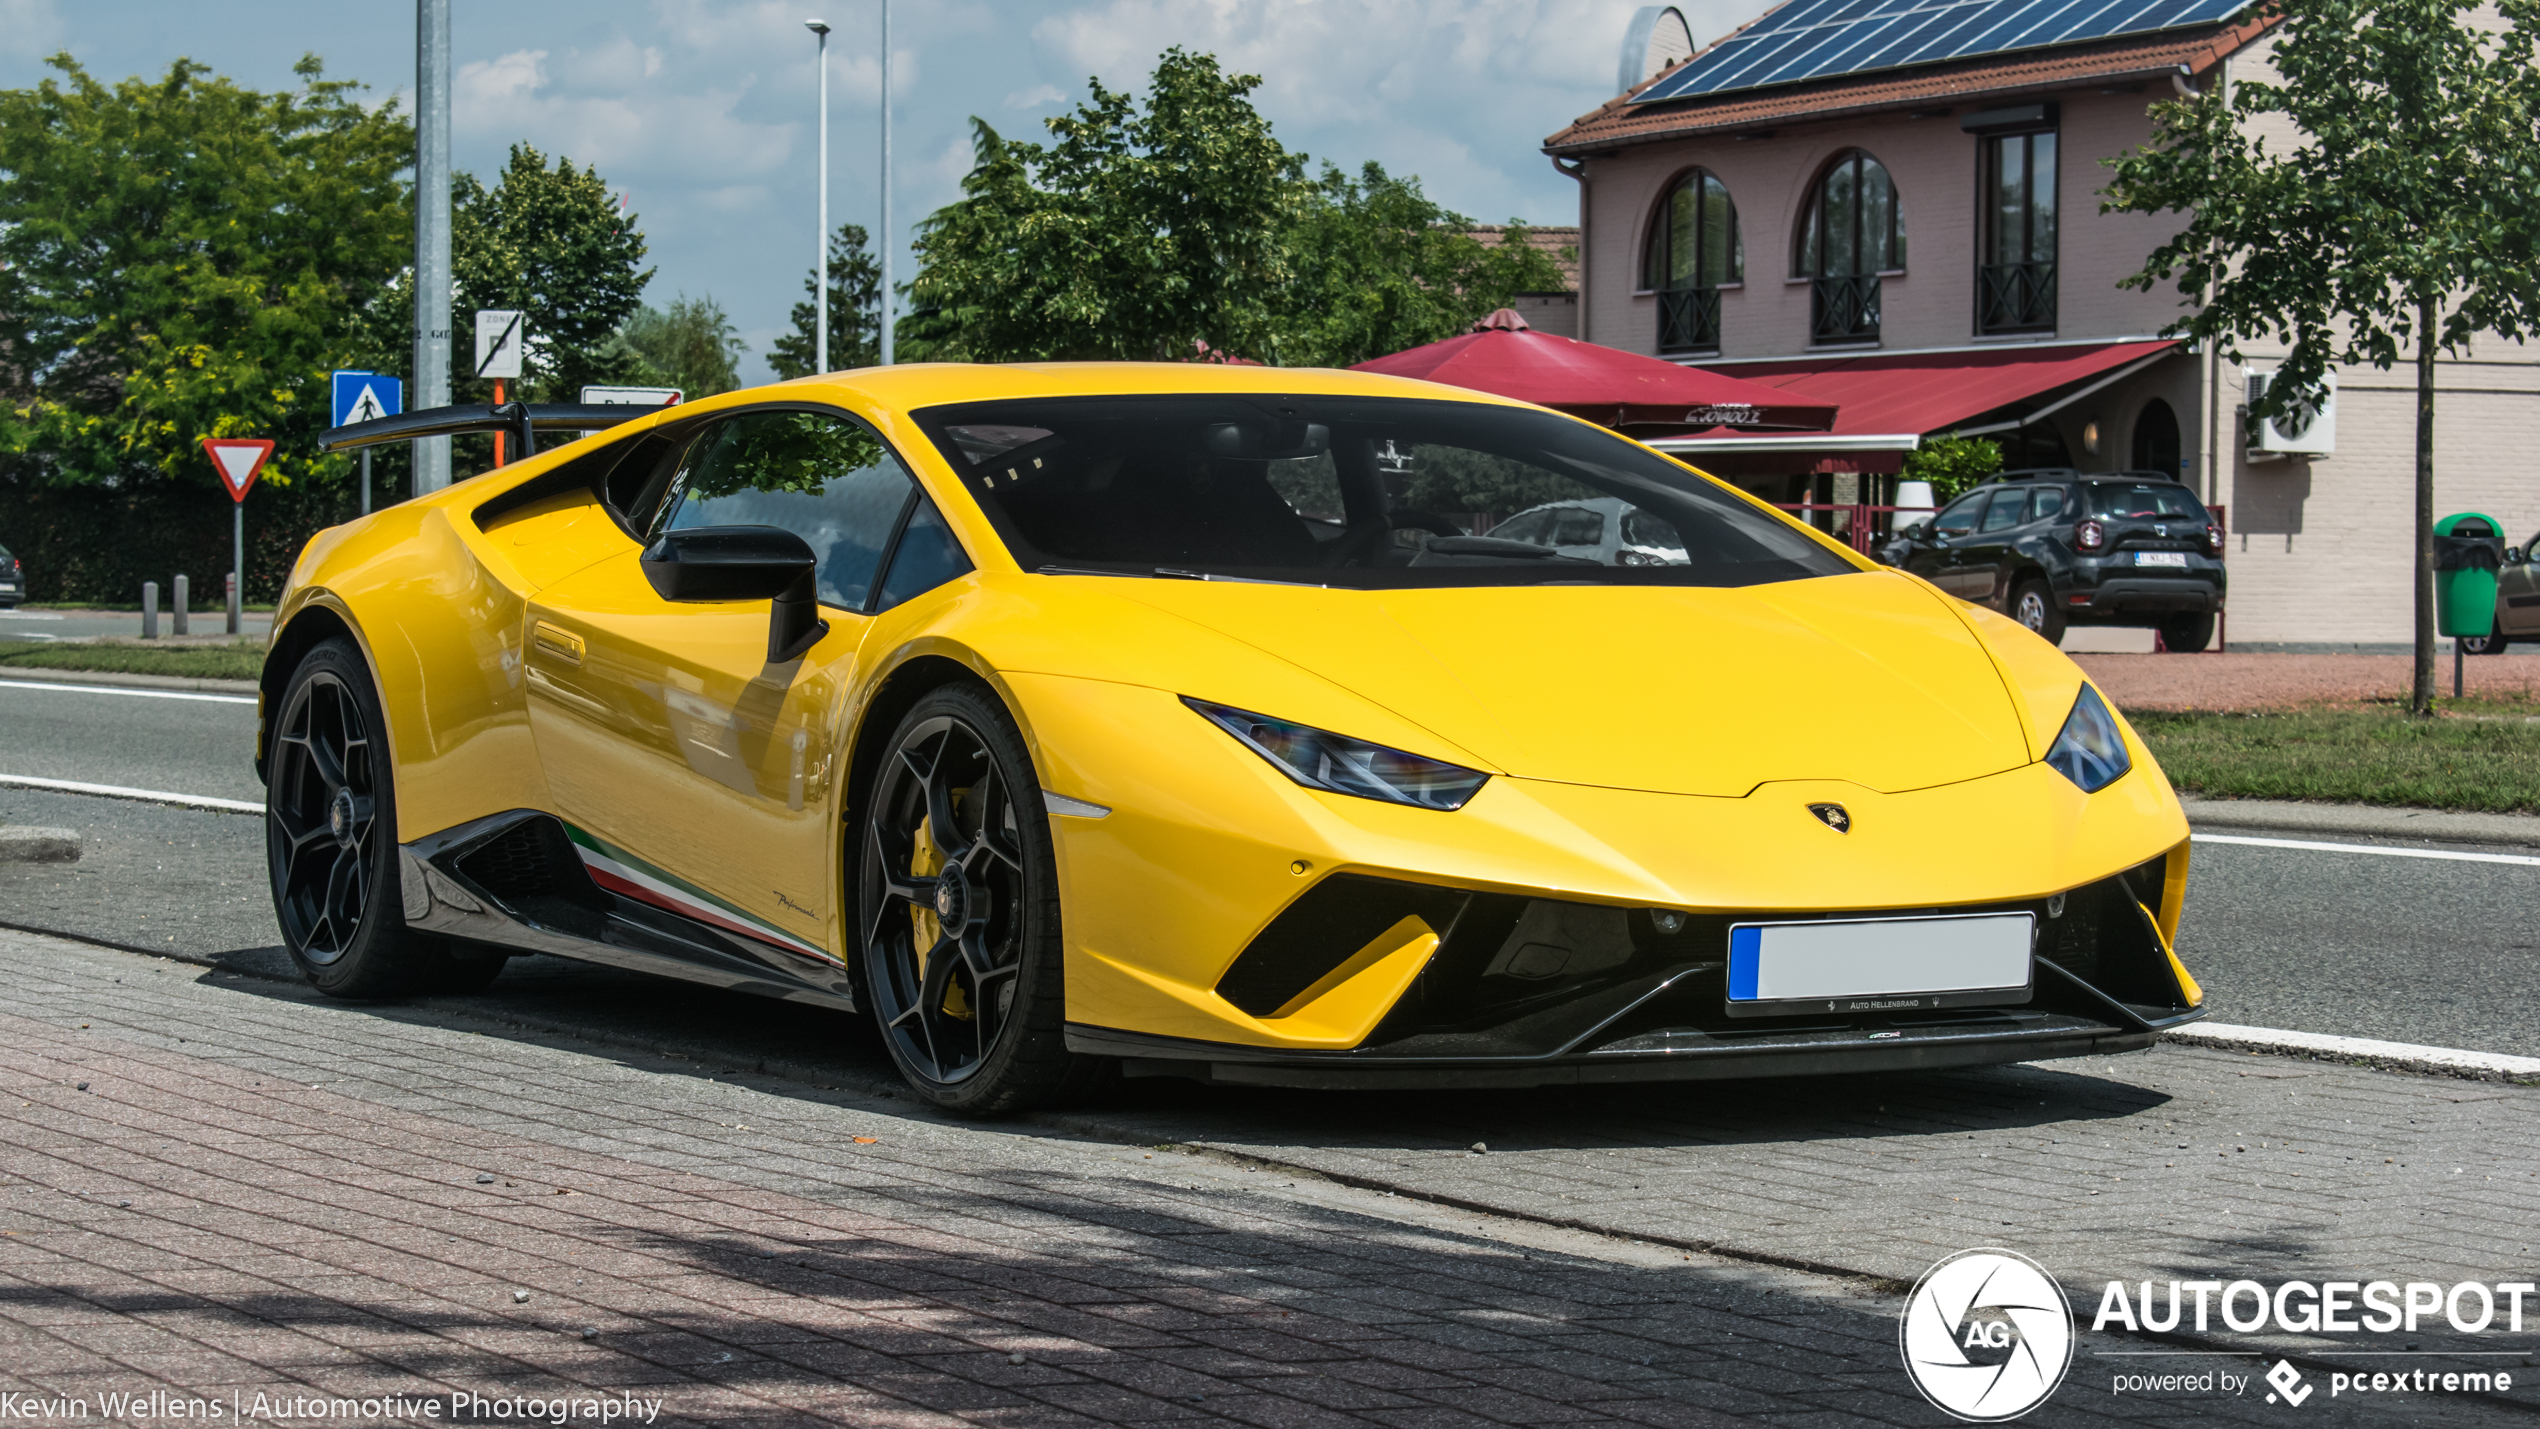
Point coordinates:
pixel 1851 236
pixel 2015 278
pixel 1694 251
pixel 1355 492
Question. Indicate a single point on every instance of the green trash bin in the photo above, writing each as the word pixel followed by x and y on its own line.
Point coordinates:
pixel 2469 548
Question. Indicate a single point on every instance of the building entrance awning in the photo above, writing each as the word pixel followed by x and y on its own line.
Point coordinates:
pixel 1886 402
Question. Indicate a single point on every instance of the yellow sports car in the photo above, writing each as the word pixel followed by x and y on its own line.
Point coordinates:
pixel 1075 717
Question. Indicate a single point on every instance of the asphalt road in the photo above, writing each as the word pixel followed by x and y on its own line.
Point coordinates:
pixel 2347 943
pixel 88 624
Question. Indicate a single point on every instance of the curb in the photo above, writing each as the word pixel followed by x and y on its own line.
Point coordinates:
pixel 34 675
pixel 2363 1052
pixel 2368 819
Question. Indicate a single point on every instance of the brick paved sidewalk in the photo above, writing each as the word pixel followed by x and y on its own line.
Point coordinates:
pixel 2258 682
pixel 259 1191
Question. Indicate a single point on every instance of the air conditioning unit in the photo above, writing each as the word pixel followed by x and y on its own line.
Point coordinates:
pixel 2306 429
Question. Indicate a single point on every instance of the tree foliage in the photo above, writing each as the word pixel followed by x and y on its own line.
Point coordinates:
pixel 855 311
pixel 186 258
pixel 2403 217
pixel 1381 267
pixel 1953 464
pixel 549 243
pixel 689 345
pixel 1137 233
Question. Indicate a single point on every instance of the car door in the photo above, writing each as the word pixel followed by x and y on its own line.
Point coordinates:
pixel 695 774
pixel 1984 553
pixel 2518 593
pixel 1935 558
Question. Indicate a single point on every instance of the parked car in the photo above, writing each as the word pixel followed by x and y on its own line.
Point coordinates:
pixel 12 580
pixel 2517 602
pixel 2055 547
pixel 1607 530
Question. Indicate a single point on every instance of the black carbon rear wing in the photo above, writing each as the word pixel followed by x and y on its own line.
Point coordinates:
pixel 523 420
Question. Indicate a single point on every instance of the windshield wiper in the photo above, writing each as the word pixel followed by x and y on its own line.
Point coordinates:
pixel 1181 575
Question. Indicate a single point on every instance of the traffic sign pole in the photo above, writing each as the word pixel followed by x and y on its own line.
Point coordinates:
pixel 365 481
pixel 238 460
pixel 237 560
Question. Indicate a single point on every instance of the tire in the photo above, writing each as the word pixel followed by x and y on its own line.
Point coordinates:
pixel 2488 644
pixel 2187 634
pixel 330 837
pixel 2033 605
pixel 966 978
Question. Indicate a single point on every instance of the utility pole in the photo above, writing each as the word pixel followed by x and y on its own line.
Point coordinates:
pixel 432 235
pixel 886 243
pixel 820 229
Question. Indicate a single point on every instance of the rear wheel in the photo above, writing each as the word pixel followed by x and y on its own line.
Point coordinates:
pixel 2492 643
pixel 2033 605
pixel 331 838
pixel 2187 634
pixel 958 902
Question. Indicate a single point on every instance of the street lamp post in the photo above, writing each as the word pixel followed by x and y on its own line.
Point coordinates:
pixel 885 243
pixel 432 234
pixel 820 232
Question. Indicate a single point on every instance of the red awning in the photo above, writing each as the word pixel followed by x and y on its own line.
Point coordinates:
pixel 1602 384
pixel 1913 393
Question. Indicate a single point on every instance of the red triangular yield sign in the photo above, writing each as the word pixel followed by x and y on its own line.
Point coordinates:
pixel 238 459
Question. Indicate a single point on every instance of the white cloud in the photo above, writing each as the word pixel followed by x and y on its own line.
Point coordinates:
pixel 29 28
pixel 1036 97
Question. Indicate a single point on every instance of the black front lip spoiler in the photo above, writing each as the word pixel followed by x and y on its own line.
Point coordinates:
pixel 1684 1055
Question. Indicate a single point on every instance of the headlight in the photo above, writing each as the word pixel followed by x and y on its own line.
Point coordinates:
pixel 1338 764
pixel 2090 751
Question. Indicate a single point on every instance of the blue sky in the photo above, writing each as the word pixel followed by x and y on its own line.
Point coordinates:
pixel 702 110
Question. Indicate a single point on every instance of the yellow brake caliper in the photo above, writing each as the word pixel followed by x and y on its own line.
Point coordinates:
pixel 925 861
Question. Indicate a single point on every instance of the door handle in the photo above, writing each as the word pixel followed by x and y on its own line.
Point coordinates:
pixel 563 644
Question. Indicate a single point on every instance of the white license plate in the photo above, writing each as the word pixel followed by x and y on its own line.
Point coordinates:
pixel 2161 558
pixel 1878 964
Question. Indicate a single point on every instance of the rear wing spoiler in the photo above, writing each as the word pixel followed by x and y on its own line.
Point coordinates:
pixel 523 420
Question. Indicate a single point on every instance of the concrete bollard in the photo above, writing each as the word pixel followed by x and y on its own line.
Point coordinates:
pixel 34 845
pixel 149 610
pixel 232 581
pixel 181 603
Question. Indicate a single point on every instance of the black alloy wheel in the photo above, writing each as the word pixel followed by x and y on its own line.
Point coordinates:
pixel 960 914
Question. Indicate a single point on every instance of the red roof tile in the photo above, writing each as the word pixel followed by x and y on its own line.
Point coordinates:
pixel 1620 122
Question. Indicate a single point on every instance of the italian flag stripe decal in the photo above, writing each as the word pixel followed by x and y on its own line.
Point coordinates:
pixel 622 873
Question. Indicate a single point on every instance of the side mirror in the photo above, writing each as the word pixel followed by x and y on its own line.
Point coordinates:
pixel 719 563
pixel 2516 555
pixel 1915 530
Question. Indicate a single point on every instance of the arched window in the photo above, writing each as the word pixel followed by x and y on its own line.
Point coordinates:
pixel 1693 248
pixel 2156 443
pixel 1853 230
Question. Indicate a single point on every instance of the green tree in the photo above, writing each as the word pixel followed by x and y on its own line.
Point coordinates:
pixel 2403 217
pixel 1953 464
pixel 855 311
pixel 1380 267
pixel 549 243
pixel 689 345
pixel 1139 233
pixel 185 258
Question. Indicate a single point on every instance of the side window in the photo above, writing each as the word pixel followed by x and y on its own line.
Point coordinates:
pixel 2006 510
pixel 926 557
pixel 2050 501
pixel 1960 517
pixel 1577 526
pixel 826 478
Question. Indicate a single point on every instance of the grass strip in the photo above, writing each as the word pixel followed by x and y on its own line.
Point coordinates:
pixel 2489 765
pixel 241 660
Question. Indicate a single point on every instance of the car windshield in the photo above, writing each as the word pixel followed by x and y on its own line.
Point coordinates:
pixel 1350 491
pixel 2145 500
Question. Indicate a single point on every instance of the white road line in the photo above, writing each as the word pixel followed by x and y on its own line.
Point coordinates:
pixel 2276 1039
pixel 146 796
pixel 2527 860
pixel 26 615
pixel 8 684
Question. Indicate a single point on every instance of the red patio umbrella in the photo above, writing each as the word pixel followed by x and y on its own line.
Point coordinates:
pixel 1606 385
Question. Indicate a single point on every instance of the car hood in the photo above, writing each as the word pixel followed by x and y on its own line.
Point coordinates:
pixel 1867 678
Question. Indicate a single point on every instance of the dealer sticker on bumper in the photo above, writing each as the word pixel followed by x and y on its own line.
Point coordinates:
pixel 1879 964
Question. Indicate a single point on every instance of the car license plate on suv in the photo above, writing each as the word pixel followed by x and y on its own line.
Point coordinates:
pixel 1879 964
pixel 2177 559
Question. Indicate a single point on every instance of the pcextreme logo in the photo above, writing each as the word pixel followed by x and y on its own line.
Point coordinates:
pixel 1986 1335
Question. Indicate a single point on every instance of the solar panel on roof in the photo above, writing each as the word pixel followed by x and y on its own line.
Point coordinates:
pixel 1814 39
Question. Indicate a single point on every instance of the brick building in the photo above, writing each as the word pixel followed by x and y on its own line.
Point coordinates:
pixel 1911 229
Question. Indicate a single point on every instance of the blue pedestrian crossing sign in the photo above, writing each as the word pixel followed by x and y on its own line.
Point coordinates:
pixel 366 396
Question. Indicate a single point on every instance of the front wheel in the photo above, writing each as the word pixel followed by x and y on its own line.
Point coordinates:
pixel 331 836
pixel 2033 605
pixel 958 910
pixel 2491 643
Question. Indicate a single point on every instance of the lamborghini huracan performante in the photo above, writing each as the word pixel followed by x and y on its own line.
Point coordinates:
pixel 1078 719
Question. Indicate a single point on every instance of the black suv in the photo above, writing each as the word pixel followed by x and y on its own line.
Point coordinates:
pixel 12 580
pixel 2057 547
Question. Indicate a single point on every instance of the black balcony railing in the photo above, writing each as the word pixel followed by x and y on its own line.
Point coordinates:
pixel 2016 297
pixel 1688 319
pixel 1844 309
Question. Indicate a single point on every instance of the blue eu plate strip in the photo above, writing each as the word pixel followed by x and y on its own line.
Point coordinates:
pixel 1746 957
